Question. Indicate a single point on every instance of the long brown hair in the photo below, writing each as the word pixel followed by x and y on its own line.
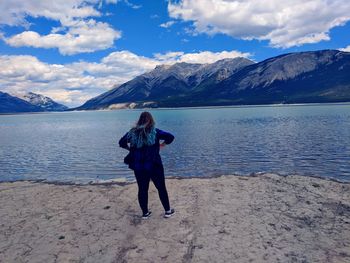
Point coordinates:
pixel 144 133
pixel 145 121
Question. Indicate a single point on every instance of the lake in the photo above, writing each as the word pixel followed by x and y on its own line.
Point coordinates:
pixel 83 146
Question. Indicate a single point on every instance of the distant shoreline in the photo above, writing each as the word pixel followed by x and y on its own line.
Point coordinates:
pixel 124 181
pixel 189 108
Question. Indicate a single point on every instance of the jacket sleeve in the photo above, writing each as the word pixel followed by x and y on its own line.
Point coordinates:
pixel 123 142
pixel 166 136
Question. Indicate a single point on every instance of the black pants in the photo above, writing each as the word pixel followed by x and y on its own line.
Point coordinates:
pixel 143 177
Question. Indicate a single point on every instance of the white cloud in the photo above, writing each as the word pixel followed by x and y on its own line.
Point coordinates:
pixel 346 49
pixel 71 84
pixel 126 60
pixel 167 24
pixel 155 16
pixel 84 36
pixel 61 82
pixel 133 6
pixel 200 57
pixel 74 83
pixel 14 12
pixel 282 23
pixel 169 56
pixel 78 32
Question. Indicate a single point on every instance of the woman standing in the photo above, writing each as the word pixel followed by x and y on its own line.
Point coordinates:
pixel 143 144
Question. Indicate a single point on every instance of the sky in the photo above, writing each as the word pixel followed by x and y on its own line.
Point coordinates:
pixel 73 50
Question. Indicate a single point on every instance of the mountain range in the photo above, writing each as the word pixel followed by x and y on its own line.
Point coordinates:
pixel 27 102
pixel 303 77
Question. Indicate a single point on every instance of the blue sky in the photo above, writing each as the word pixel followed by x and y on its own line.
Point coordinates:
pixel 72 50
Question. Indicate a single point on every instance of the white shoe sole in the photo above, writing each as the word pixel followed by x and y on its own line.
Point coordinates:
pixel 146 217
pixel 169 215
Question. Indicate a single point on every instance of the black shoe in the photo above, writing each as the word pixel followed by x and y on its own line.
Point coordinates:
pixel 147 215
pixel 169 213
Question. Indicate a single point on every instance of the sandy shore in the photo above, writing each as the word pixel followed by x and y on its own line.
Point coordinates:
pixel 266 218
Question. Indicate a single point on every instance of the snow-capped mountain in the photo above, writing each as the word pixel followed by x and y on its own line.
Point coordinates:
pixel 11 104
pixel 46 103
pixel 27 102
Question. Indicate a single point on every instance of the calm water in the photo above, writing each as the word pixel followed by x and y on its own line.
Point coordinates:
pixel 83 146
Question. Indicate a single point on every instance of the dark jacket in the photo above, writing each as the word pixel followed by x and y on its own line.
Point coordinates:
pixel 146 157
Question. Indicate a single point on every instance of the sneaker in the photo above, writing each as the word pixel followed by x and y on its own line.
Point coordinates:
pixel 169 213
pixel 147 215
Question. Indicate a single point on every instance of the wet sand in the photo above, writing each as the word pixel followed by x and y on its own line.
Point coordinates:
pixel 266 218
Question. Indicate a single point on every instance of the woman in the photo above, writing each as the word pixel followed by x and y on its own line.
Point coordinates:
pixel 143 144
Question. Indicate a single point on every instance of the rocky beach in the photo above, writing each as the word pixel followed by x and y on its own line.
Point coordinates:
pixel 262 218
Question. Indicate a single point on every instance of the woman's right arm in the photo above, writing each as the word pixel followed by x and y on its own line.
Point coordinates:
pixel 123 142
